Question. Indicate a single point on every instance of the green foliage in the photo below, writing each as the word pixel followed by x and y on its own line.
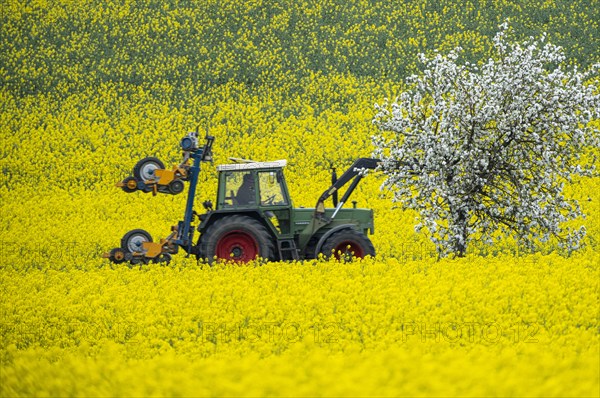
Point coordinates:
pixel 64 47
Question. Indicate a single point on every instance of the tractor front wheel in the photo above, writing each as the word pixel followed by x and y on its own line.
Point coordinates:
pixel 347 244
pixel 238 238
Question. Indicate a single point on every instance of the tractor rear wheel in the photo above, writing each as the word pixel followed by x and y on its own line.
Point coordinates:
pixel 238 238
pixel 347 244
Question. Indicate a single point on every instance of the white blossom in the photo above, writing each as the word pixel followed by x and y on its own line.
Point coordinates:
pixel 484 150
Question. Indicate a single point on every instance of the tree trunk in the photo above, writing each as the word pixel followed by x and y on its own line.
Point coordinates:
pixel 458 228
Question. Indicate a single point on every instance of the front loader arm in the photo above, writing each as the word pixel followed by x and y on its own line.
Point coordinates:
pixel 353 172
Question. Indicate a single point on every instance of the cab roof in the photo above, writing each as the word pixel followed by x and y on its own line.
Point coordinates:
pixel 275 164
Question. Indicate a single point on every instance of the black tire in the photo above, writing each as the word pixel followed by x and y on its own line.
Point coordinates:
pixel 144 169
pixel 117 255
pixel 162 258
pixel 238 238
pixel 129 181
pixel 176 186
pixel 347 244
pixel 138 261
pixel 133 240
pixel 311 247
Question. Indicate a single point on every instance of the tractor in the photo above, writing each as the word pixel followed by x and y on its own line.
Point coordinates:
pixel 254 217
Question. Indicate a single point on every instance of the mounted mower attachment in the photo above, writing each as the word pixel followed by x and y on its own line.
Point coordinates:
pixel 150 175
pixel 137 247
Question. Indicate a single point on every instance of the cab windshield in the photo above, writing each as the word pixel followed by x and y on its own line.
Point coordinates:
pixel 271 189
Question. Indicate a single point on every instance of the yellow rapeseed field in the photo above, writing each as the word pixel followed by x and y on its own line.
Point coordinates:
pixel 498 322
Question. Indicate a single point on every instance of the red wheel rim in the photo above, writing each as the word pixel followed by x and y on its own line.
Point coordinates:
pixel 348 247
pixel 238 246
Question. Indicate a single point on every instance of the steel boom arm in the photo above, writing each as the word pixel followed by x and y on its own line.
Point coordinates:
pixel 353 172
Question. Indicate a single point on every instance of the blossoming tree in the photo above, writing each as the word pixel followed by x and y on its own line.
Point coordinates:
pixel 483 151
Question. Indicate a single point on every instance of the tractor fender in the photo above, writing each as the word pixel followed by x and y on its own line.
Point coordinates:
pixel 329 233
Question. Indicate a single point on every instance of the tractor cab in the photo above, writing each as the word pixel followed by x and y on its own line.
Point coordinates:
pixel 257 187
pixel 252 185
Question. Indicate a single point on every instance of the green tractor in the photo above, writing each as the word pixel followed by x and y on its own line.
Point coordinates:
pixel 254 216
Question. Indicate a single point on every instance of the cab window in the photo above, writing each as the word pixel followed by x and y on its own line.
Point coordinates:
pixel 240 189
pixel 271 189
